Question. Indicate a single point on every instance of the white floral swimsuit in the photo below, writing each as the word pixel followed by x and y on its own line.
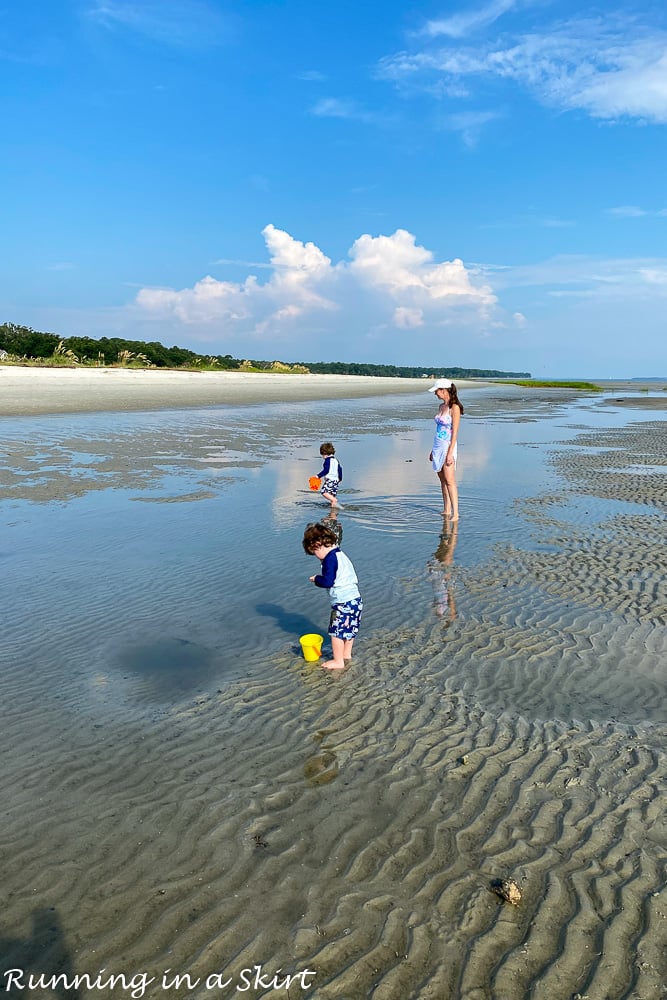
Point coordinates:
pixel 442 439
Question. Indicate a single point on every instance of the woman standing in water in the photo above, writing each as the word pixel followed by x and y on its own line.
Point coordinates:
pixel 443 452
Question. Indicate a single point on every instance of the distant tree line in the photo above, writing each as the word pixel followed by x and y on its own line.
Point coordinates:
pixel 406 371
pixel 23 342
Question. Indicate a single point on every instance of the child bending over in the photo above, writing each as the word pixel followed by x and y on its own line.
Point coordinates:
pixel 339 578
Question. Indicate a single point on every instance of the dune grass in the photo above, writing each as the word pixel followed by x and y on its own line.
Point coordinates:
pixel 538 384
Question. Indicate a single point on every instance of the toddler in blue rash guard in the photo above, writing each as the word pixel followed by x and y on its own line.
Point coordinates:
pixel 339 578
pixel 331 474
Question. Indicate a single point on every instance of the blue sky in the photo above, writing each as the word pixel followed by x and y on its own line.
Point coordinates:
pixel 474 184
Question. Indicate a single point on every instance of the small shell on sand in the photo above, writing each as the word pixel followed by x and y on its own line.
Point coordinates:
pixel 507 890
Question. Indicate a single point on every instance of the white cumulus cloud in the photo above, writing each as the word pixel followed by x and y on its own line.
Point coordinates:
pixel 407 271
pixel 386 283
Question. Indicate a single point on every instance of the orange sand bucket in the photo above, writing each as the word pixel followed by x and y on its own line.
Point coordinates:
pixel 311 646
pixel 314 483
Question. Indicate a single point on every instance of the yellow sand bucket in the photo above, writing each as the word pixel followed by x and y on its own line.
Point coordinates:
pixel 311 646
pixel 314 483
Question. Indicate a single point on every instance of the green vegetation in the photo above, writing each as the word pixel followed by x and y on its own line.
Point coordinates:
pixel 406 371
pixel 27 346
pixel 537 384
pixel 23 345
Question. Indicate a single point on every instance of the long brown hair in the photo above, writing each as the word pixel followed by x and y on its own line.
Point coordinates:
pixel 454 398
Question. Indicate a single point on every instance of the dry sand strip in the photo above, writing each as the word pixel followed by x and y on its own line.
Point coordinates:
pixel 27 391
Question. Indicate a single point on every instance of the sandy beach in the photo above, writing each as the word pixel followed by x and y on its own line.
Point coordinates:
pixel 354 826
pixel 28 390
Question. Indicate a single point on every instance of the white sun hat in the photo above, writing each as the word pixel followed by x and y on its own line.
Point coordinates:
pixel 442 383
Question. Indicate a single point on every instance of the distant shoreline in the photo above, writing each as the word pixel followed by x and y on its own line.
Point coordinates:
pixel 35 390
pixel 26 391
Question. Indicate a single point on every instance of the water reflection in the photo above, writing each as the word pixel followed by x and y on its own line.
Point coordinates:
pixel 244 591
pixel 440 569
pixel 332 522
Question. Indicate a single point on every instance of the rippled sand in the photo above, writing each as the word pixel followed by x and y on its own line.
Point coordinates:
pixel 354 825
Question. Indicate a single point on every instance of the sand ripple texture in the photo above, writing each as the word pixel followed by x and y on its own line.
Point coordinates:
pixel 627 463
pixel 354 824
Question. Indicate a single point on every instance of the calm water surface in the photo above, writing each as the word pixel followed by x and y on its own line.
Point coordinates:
pixel 150 556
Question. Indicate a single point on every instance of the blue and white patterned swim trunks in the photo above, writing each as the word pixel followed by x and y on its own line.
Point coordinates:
pixel 329 486
pixel 345 619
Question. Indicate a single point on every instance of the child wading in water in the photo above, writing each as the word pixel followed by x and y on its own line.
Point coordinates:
pixel 331 474
pixel 339 578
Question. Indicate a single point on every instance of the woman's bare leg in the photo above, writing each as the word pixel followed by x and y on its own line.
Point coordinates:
pixel 446 501
pixel 452 492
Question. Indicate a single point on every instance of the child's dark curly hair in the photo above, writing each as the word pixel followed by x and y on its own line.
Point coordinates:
pixel 327 449
pixel 318 534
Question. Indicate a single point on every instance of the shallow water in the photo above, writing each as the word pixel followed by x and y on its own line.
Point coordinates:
pixel 182 791
pixel 160 529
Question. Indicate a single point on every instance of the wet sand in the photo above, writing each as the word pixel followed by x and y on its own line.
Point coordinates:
pixel 355 825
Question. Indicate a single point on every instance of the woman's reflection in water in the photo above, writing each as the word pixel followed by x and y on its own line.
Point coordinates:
pixel 440 568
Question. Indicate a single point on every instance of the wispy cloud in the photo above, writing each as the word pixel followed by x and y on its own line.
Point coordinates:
pixel 242 263
pixel 635 212
pixel 459 25
pixel 333 107
pixel 312 75
pixel 655 275
pixel 530 221
pixel 553 222
pixel 470 124
pixel 612 68
pixel 627 211
pixel 179 23
pixel 585 276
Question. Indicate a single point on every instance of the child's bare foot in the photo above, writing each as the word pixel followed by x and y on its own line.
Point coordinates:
pixel 334 665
